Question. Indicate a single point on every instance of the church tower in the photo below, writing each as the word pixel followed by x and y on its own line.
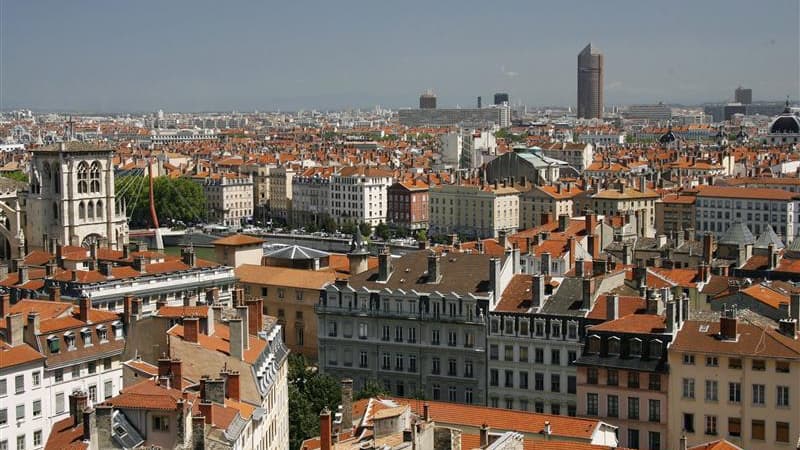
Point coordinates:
pixel 71 197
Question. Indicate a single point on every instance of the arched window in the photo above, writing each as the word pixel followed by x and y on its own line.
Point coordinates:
pixel 99 208
pixel 81 211
pixel 95 177
pixel 83 174
pixel 90 210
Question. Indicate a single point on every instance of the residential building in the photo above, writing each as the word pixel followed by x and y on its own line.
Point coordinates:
pixel 675 213
pixel 578 155
pixel 718 207
pixel 654 113
pixel 543 203
pixel 229 198
pixel 476 117
pixel 260 174
pixel 590 83
pixel 743 95
pixel 639 200
pixel 280 192
pixel 472 210
pixel 417 332
pixel 407 205
pixel 737 380
pixel 238 249
pixel 358 195
pixel 311 195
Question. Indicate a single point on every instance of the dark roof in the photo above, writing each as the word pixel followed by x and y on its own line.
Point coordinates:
pixel 461 273
pixel 769 237
pixel 785 123
pixel 567 299
pixel 738 234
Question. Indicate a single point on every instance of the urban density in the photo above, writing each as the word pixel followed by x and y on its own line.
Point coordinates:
pixel 486 275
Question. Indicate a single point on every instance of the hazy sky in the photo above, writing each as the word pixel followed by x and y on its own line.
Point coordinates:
pixel 222 55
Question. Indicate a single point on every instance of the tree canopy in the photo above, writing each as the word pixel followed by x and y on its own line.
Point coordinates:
pixel 176 199
pixel 309 393
pixel 17 175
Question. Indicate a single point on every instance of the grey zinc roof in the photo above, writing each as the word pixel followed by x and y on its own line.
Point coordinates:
pixel 738 234
pixel 124 434
pixel 567 299
pixel 296 252
pixel 769 237
pixel 539 160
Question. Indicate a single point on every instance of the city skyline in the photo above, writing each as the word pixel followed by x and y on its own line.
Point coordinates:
pixel 284 57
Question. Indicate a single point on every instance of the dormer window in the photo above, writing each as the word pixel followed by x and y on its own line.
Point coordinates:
pixel 572 330
pixel 53 344
pixel 102 333
pixel 117 326
pixel 555 329
pixel 495 325
pixel 508 327
pixel 635 349
pixel 523 327
pixel 69 339
pixel 655 349
pixel 594 344
pixel 86 337
pixel 613 346
pixel 538 327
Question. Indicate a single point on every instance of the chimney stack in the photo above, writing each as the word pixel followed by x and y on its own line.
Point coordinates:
pixel 84 307
pixel 15 329
pixel 587 292
pixel 728 325
pixel 77 404
pixel 191 329
pixel 207 411
pixel 612 307
pixel 236 342
pixel 484 436
pixel 232 388
pixel 590 222
pixel 563 222
pixel 243 314
pixel 176 374
pixel 537 291
pixel 572 249
pixel 255 316
pixel 325 432
pixel 434 267
pixel 426 412
pixel 55 293
pixel 5 305
pixel 593 241
pixel 384 265
pixel 708 251
pixel 347 404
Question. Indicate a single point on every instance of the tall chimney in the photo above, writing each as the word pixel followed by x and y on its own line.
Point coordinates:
pixel 587 292
pixel 545 269
pixel 537 291
pixel 347 404
pixel 84 307
pixel 579 268
pixel 5 305
pixel 255 316
pixel 55 293
pixel 325 432
pixel 708 252
pixel 728 325
pixel 612 307
pixel 484 435
pixel 191 329
pixel 590 222
pixel 563 222
pixel 593 242
pixel 176 374
pixel 571 248
pixel 384 265
pixel 434 267
pixel 243 314
pixel 232 388
pixel 236 335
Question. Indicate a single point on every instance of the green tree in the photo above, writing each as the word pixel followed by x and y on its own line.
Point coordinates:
pixel 176 199
pixel 348 228
pixel 383 231
pixel 422 235
pixel 309 393
pixel 17 175
pixel 328 224
pixel 365 229
pixel 371 389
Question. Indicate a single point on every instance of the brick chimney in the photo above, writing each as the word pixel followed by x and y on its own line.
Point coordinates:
pixel 590 222
pixel 85 304
pixel 612 307
pixel 139 263
pixel 255 315
pixel 191 329
pixel 232 389
pixel 571 247
pixel 78 401
pixel 593 241
pixel 206 410
pixel 347 404
pixel 176 374
pixel 728 325
pixel 15 329
pixel 55 293
pixel 708 251
pixel 325 431
pixel 484 435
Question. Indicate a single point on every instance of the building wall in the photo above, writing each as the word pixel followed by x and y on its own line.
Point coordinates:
pixel 235 256
pixel 473 211
pixel 359 199
pixel 30 393
pixel 723 408
pixel 717 214
pixel 673 217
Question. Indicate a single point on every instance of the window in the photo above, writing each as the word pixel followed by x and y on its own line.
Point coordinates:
pixel 76 371
pixel 3 387
pixel 688 422
pixel 451 393
pixel 759 364
pixel 93 394
pixel 19 384
pixel 398 334
pixel 161 423
pixel 613 346
pixel 613 406
pixel 60 403
pixel 591 404
pixel 538 355
pixel 633 438
pixel 571 357
pixel 509 374
pixel 591 375
pixel 734 426
pixel 91 366
pixel 655 440
pixel 37 378
pixel 654 410
pixel 362 330
pixel 362 361
pixel 633 380
pixel 37 408
pixel 436 391
pixel 332 328
pixel 508 353
pixel 385 333
pixel 468 396
pixel 688 388
pixel 538 381
pixel 734 363
pixel 493 377
pixel 654 382
pixel 711 390
pixel 452 338
pixel 712 361
pixel 469 340
pixel 20 412
pixel 757 430
pixel 613 377
pixel 783 396
pixel 782 366
pixel 555 357
pixel 21 442
pixel 734 392
pixel 281 292
pixel 688 359
pixel 494 352
pixel 555 382
pixel 523 353
pixel 108 389
pixel 468 368
pixel 37 438
pixel 436 366
pixel 782 431
pixel 711 425
pixel 594 345
pixel 3 416
pixel 523 379
pixel 571 384
pixel 398 361
pixel 635 349
pixel 758 394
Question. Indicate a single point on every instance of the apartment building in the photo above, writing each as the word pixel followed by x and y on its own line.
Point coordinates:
pixel 358 194
pixel 623 372
pixel 717 208
pixel 280 192
pixel 736 380
pixel 579 155
pixel 675 213
pixel 229 198
pixel 408 205
pixel 311 194
pixel 640 200
pixel 260 175
pixel 547 201
pixel 472 210
pixel 417 332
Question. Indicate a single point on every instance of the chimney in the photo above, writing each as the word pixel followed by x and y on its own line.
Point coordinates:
pixel 106 268
pixel 126 251
pixel 494 276
pixel 255 316
pixel 55 293
pixel 325 438
pixel 15 329
pixel 502 238
pixel 479 246
pixel 627 254
pixel 213 390
pixel 671 316
pixel 5 305
pixel 33 322
pixel 78 401
pixel 384 265
pixel 347 404
pixel 587 292
pixel 703 272
pixel 544 219
pixel 593 242
pixel 191 329
pixel 484 436
pixel 563 222
pixel 188 256
pixel 176 374
pixel 426 412
pixel 102 414
pixel 84 307
pixel 14 264
pixel 49 269
pixel 548 429
pixel 60 255
pixel 708 243
pixel 207 411
pixel 243 314
pixel 794 307
pixel 591 222
pixel 232 389
pixel 727 325
pixel 545 269
pixel 599 267
pixel 612 307
pixel 434 267
pixel 640 277
pixel 236 335
pixel 571 248
pixel 788 328
pixel 537 291
pixel 22 272
pixel 683 445
pixel 139 263
pixel 773 256
pixel 579 268
pixel 212 296
pixel 198 432
pixel 89 426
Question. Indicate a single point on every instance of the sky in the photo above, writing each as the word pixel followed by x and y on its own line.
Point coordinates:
pixel 198 55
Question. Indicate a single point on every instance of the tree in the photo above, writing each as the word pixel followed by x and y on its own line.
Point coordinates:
pixel 17 175
pixel 383 231
pixel 371 389
pixel 348 228
pixel 309 393
pixel 365 229
pixel 176 199
pixel 328 224
pixel 422 235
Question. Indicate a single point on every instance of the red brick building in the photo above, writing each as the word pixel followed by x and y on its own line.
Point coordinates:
pixel 408 205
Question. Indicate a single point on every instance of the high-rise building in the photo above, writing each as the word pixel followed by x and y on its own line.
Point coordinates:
pixel 590 83
pixel 427 100
pixel 743 95
pixel 500 98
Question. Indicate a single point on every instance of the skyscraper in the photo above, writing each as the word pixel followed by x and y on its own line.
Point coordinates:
pixel 590 83
pixel 427 100
pixel 500 98
pixel 743 96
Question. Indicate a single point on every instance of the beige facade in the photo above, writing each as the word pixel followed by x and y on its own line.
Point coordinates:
pixel 229 198
pixel 280 192
pixel 481 211
pixel 553 200
pixel 623 200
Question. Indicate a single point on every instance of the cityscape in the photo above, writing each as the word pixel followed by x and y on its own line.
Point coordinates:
pixel 353 227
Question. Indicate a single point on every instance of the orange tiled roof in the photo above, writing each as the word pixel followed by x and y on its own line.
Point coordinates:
pixel 633 323
pixel 238 239
pixel 14 356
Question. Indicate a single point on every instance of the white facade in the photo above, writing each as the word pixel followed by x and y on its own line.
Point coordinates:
pixel 481 212
pixel 716 213
pixel 24 401
pixel 229 198
pixel 280 191
pixel 310 196
pixel 358 194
